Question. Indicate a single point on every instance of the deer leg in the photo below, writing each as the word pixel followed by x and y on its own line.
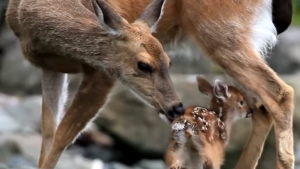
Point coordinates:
pixel 54 92
pixel 90 97
pixel 173 160
pixel 261 126
pixel 262 123
pixel 251 71
pixel 173 156
pixel 47 127
pixel 253 149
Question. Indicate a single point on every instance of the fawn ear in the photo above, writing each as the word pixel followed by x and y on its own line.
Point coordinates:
pixel 204 86
pixel 109 19
pixel 153 14
pixel 221 90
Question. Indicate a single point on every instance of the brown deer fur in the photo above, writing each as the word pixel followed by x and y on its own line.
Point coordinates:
pixel 234 34
pixel 200 135
pixel 90 37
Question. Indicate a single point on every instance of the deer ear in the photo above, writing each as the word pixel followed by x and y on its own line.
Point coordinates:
pixel 204 86
pixel 153 14
pixel 109 19
pixel 221 90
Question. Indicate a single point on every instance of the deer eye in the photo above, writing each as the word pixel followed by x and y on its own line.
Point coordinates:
pixel 144 67
pixel 241 102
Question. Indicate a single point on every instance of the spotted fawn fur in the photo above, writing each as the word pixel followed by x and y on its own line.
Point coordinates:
pixel 199 136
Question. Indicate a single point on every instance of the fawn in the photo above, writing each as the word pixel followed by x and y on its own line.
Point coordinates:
pixel 200 135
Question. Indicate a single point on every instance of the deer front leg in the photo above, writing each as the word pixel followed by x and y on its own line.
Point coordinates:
pixel 48 129
pixel 54 92
pixel 173 155
pixel 261 125
pixel 90 97
pixel 174 160
pixel 249 69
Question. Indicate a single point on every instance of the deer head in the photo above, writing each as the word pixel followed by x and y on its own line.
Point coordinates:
pixel 225 99
pixel 137 58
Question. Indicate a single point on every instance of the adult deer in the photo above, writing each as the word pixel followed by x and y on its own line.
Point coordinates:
pixel 234 34
pixel 66 36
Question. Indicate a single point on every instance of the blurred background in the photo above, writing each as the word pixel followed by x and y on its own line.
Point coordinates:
pixel 127 134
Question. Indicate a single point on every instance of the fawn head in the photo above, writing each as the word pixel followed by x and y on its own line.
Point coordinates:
pixel 138 59
pixel 225 99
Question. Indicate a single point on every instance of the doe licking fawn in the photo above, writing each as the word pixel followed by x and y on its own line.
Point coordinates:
pixel 200 135
pixel 90 37
pixel 64 36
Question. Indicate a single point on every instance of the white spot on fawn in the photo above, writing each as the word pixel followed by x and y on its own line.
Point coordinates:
pixel 178 126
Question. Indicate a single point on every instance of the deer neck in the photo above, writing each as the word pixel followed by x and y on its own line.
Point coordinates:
pixel 225 116
pixel 228 119
pixel 93 46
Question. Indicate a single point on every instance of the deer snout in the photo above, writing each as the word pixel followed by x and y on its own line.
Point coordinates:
pixel 176 111
pixel 249 113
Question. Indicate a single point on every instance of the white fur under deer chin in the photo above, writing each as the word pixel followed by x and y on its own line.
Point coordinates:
pixel 263 31
pixel 163 117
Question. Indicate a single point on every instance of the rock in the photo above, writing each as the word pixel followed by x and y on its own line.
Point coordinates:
pixel 3 5
pixel 94 144
pixel 20 114
pixel 3 166
pixel 284 58
pixel 116 166
pixel 8 149
pixel 19 161
pixel 28 144
pixel 297 155
pixel 17 76
pixel 151 164
pixel 22 151
pixel 95 151
pixel 8 123
pixel 134 122
pixel 23 78
pixel 144 164
pixel 187 58
pixel 75 161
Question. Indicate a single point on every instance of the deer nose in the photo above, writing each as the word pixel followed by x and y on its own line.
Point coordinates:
pixel 177 110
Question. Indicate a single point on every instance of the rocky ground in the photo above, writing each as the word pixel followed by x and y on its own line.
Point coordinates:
pixel 127 127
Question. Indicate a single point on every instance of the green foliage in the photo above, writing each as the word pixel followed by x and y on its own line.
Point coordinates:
pixel 296 12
